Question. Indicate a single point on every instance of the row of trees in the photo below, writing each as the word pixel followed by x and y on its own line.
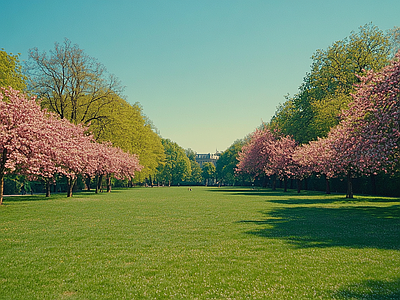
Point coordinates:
pixel 364 142
pixel 37 143
pixel 77 88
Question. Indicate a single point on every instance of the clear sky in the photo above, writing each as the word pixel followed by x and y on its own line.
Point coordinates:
pixel 206 72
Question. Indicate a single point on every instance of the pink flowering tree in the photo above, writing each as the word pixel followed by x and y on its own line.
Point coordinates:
pixel 25 136
pixel 37 143
pixel 256 154
pixel 316 158
pixel 366 140
pixel 270 155
pixel 108 161
pixel 281 162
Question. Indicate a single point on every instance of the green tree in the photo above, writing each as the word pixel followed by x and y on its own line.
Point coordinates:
pixel 11 71
pixel 196 174
pixel 129 129
pixel 226 164
pixel 176 167
pixel 72 84
pixel 327 89
pixel 208 172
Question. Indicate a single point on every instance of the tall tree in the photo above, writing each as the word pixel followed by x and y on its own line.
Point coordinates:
pixel 208 172
pixel 176 167
pixel 11 71
pixel 129 129
pixel 367 138
pixel 72 84
pixel 226 164
pixel 195 169
pixel 327 89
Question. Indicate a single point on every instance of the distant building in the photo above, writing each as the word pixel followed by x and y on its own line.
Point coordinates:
pixel 203 158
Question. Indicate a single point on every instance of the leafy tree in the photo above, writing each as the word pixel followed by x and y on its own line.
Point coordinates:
pixel 226 164
pixel 208 172
pixel 78 88
pixel 11 71
pixel 367 138
pixel 73 84
pixel 176 167
pixel 37 143
pixel 130 130
pixel 327 89
pixel 394 35
pixel 196 173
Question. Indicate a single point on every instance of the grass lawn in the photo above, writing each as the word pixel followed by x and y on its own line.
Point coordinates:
pixel 208 243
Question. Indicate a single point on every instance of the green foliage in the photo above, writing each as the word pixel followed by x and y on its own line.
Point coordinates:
pixel 73 84
pixel 77 87
pixel 176 167
pixel 11 71
pixel 208 172
pixel 196 173
pixel 327 89
pixel 227 162
pixel 210 243
pixel 130 130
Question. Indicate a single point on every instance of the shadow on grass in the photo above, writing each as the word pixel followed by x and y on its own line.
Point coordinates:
pixel 251 192
pixel 53 196
pixel 292 197
pixel 338 199
pixel 371 290
pixel 356 227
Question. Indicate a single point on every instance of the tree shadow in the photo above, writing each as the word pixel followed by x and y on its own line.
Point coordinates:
pixel 251 192
pixel 291 197
pixel 356 227
pixel 42 197
pixel 334 198
pixel 23 198
pixel 371 290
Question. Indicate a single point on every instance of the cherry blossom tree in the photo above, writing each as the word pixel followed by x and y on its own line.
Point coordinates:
pixel 315 157
pixel 271 155
pixel 256 154
pixel 281 161
pixel 366 139
pixel 37 143
pixel 108 161
pixel 25 135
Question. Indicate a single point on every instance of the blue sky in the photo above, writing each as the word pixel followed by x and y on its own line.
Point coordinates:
pixel 205 72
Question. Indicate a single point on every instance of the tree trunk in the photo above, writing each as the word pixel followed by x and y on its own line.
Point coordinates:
pixel 71 182
pixel 2 171
pixel 328 185
pixel 274 182
pixel 88 179
pixel 108 184
pixel 1 188
pixel 48 186
pixel 349 186
pixel 373 184
pixel 306 183
pixel 285 184
pixel 99 183
pixel 298 186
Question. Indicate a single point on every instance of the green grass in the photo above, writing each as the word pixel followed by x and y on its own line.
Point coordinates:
pixel 210 243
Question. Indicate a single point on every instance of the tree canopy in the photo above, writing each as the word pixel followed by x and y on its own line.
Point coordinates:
pixel 176 167
pixel 11 71
pixel 327 88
